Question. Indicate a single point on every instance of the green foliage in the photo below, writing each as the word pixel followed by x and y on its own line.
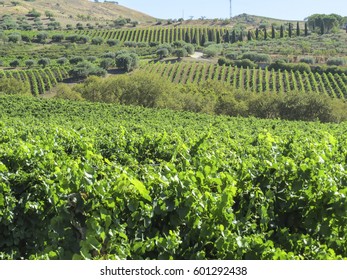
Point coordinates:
pixel 84 69
pixel 98 181
pixel 97 40
pixel 337 61
pixel 127 61
pixel 12 86
pixel 44 62
pixel 107 63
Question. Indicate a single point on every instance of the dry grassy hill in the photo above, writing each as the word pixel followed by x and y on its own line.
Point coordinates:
pixel 72 11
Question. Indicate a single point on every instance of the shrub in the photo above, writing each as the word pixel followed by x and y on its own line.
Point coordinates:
pixel 107 63
pixel 15 63
pixel 29 63
pixel 75 59
pixel 113 42
pixel 58 38
pixel 84 69
pixel 245 63
pixel 14 38
pixel 337 61
pixel 307 59
pixel 13 86
pixel 44 62
pixel 127 61
pixel 62 60
pixel 97 41
pixel 257 57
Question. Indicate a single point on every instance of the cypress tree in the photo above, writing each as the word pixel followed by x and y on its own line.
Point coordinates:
pixel 265 34
pixel 322 31
pixel 273 33
pixel 290 30
pixel 297 29
pixel 257 33
pixel 241 36
pixel 187 37
pixel 282 31
pixel 306 29
pixel 233 37
pixel 227 37
pixel 203 39
pixel 249 36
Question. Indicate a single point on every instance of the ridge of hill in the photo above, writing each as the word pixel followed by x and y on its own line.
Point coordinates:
pixel 72 11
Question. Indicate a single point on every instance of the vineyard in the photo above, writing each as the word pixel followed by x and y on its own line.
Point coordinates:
pixel 97 181
pixel 253 80
pixel 39 80
pixel 190 34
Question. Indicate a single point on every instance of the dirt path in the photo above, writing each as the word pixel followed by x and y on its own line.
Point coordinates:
pixel 197 55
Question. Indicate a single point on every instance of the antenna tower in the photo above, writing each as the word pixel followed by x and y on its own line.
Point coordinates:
pixel 231 11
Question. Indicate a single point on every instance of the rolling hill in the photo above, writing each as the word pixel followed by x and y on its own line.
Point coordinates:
pixel 72 11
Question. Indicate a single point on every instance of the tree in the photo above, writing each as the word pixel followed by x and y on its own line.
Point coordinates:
pixel 57 38
pixel 112 42
pixel 273 32
pixel 282 31
pixel 290 30
pixel 97 41
pixel 14 63
pixel 107 63
pixel 322 23
pixel 14 86
pixel 33 13
pixel 127 61
pixel 41 37
pixel 49 14
pixel 181 53
pixel 62 60
pixel 85 69
pixel 162 52
pixel 29 63
pixel 306 29
pixel 44 62
pixel 14 38
pixel 297 29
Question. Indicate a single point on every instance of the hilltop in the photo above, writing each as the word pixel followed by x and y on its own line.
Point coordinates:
pixel 73 11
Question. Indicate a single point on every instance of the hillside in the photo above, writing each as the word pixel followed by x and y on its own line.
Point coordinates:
pixel 72 11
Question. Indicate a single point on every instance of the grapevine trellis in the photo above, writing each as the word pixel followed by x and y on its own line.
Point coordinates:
pixel 253 80
pixel 40 80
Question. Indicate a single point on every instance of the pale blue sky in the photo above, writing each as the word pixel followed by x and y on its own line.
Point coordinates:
pixel 291 9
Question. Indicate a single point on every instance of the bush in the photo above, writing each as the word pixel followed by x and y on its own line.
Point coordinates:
pixel 307 59
pixel 107 63
pixel 14 38
pixel 64 91
pixel 15 63
pixel 75 59
pixel 85 69
pixel 181 53
pixel 162 52
pixel 97 41
pixel 212 50
pixel 13 86
pixel 189 48
pixel 44 62
pixel 245 63
pixel 257 57
pixel 113 42
pixel 29 63
pixel 127 61
pixel 336 61
pixel 58 38
pixel 62 60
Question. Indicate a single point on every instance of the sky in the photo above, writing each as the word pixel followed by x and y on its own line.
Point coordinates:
pixel 289 9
